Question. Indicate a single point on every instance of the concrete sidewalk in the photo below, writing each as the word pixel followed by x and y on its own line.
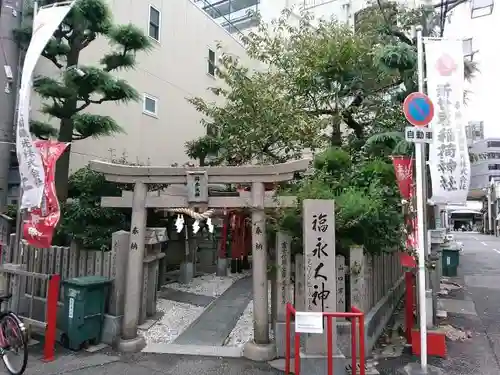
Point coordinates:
pixel 474 309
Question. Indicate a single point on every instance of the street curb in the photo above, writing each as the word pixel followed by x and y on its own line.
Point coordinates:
pixel 202 350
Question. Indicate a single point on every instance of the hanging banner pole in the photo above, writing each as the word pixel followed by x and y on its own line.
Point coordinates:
pixel 449 162
pixel 20 211
pixel 420 170
pixel 46 20
pixel 45 23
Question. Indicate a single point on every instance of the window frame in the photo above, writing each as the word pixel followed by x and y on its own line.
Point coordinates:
pixel 211 64
pixel 145 110
pixel 469 55
pixel 481 10
pixel 150 8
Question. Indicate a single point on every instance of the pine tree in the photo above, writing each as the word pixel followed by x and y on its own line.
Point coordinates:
pixel 68 96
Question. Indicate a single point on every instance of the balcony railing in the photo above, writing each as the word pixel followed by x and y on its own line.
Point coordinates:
pixel 224 12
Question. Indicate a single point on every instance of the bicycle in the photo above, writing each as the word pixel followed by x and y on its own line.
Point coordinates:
pixel 13 338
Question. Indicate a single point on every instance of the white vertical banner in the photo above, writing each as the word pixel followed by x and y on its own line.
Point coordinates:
pixel 448 155
pixel 45 22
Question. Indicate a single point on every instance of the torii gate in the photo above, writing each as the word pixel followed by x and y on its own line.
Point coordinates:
pixel 196 180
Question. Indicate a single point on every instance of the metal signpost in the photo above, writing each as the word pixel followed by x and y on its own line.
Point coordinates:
pixel 419 111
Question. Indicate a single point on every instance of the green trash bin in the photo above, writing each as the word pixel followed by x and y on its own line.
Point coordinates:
pixel 84 305
pixel 450 262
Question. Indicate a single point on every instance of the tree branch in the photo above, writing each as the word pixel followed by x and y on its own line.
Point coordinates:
pixel 89 39
pixel 319 112
pixel 88 102
pixel 266 151
pixel 401 36
pixel 53 59
pixel 452 4
pixel 389 86
pixel 348 118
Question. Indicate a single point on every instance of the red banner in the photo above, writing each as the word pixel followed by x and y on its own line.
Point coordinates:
pixel 403 167
pixel 39 224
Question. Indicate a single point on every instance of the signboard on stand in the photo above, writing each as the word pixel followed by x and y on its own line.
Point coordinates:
pixel 308 322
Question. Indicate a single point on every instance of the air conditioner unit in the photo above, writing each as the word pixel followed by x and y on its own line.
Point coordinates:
pixel 8 73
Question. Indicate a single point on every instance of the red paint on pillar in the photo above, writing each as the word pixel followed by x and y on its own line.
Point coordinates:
pixel 436 343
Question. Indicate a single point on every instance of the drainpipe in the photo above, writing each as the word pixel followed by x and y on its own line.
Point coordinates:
pixel 10 19
pixel 490 217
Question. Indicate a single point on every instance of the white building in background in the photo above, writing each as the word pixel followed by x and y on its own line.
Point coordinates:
pixel 181 65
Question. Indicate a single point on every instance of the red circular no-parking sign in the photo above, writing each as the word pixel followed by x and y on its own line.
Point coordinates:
pixel 418 109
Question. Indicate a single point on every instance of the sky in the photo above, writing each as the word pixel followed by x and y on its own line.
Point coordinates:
pixel 482 98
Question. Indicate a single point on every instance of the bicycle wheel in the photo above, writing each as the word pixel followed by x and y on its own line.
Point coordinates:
pixel 14 342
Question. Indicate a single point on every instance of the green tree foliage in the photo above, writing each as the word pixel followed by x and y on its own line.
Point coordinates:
pixel 83 220
pixel 322 86
pixel 68 95
pixel 317 82
pixel 319 87
pixel 397 55
pixel 368 208
pixel 312 79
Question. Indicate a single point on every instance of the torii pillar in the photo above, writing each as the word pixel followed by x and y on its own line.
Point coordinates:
pixel 260 349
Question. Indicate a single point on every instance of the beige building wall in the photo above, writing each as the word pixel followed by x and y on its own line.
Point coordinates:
pixel 176 68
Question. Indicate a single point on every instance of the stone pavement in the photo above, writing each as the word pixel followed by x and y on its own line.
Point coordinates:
pixel 474 309
pixel 215 324
pixel 111 363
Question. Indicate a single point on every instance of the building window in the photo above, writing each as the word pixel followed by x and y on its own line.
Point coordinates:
pixel 468 49
pixel 150 105
pixel 493 155
pixel 481 8
pixel 493 167
pixel 494 144
pixel 346 8
pixel 154 23
pixel 211 62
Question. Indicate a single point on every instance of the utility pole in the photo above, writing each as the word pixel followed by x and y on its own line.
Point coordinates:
pixel 11 16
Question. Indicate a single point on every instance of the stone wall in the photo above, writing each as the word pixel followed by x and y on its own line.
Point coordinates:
pixel 372 283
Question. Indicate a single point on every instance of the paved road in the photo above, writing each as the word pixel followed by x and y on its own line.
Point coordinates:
pixel 110 363
pixel 477 307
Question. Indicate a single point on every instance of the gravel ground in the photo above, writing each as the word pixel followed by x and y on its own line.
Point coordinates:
pixel 209 285
pixel 243 330
pixel 176 318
